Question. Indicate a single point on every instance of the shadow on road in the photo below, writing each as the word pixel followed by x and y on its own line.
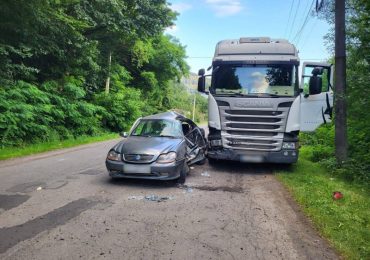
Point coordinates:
pixel 248 168
pixel 224 167
pixel 148 184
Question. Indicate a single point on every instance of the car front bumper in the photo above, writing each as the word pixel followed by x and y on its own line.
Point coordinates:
pixel 154 170
pixel 283 156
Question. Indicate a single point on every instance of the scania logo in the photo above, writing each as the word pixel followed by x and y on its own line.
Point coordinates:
pixel 137 157
pixel 254 103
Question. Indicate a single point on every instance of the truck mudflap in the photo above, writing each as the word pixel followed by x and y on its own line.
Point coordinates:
pixel 283 156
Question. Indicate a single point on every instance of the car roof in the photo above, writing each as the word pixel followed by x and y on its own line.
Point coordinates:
pixel 171 115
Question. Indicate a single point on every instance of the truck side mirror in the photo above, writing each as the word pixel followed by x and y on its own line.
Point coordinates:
pixel 123 134
pixel 202 84
pixel 201 72
pixel 315 84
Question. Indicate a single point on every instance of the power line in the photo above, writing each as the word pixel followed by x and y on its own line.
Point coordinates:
pixel 298 35
pixel 304 11
pixel 310 32
pixel 290 15
pixel 295 16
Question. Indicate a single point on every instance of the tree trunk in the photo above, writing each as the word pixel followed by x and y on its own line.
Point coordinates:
pixel 340 83
pixel 107 82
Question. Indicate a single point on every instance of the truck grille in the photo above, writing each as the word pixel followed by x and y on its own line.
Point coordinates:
pixel 138 158
pixel 252 129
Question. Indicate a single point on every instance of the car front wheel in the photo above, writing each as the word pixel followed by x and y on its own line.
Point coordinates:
pixel 183 173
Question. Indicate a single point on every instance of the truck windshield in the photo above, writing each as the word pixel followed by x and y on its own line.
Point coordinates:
pixel 261 80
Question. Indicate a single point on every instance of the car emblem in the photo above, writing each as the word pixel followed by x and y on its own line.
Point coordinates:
pixel 138 157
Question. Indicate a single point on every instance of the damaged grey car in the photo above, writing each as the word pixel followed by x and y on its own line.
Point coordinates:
pixel 160 146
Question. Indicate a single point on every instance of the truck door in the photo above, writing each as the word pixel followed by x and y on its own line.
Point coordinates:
pixel 316 96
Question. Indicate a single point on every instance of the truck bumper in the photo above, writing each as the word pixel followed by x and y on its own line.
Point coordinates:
pixel 283 156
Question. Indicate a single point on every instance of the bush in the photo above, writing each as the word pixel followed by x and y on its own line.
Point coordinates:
pixel 121 108
pixel 321 149
pixel 53 111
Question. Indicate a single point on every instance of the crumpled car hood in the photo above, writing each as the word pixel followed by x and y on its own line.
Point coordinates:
pixel 147 145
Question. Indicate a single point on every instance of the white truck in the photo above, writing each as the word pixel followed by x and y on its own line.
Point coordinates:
pixel 256 103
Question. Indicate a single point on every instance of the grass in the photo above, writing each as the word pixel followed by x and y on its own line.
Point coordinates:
pixel 346 222
pixel 12 152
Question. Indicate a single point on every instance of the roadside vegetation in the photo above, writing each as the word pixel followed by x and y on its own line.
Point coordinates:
pixel 28 149
pixel 344 222
pixel 356 169
pixel 84 68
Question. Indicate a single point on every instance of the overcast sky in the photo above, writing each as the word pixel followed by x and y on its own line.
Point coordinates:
pixel 202 23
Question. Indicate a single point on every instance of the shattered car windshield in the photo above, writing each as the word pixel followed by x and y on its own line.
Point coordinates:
pixel 158 128
pixel 255 79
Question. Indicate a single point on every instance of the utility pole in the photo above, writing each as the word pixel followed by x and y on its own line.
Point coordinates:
pixel 107 82
pixel 195 99
pixel 340 83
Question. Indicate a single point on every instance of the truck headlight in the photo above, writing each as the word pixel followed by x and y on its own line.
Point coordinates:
pixel 167 157
pixel 289 145
pixel 216 143
pixel 114 156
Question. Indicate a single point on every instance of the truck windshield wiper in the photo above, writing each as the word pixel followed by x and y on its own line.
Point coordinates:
pixel 270 95
pixel 169 136
pixel 232 94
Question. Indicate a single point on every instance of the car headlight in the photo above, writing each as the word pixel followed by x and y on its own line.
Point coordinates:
pixel 114 156
pixel 167 157
pixel 289 145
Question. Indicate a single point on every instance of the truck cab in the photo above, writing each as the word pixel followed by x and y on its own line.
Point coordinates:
pixel 258 102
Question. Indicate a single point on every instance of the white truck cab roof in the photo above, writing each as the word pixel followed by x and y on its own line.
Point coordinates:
pixel 256 50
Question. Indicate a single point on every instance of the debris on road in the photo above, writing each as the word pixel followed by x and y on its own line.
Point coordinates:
pixel 150 198
pixel 135 197
pixel 337 195
pixel 205 174
pixel 191 168
pixel 189 190
pixel 157 198
pixel 186 188
pixel 39 188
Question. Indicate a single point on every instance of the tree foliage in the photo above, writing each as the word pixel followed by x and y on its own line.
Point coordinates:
pixel 357 93
pixel 54 63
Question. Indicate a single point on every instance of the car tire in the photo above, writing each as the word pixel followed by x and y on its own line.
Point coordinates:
pixel 183 173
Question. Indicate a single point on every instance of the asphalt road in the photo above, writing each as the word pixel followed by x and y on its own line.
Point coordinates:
pixel 63 205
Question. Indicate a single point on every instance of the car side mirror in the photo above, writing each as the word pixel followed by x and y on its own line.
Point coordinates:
pixel 123 134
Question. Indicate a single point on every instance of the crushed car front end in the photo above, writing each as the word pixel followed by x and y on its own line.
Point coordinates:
pixel 144 166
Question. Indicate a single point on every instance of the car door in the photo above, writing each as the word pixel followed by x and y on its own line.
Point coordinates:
pixel 196 143
pixel 316 108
